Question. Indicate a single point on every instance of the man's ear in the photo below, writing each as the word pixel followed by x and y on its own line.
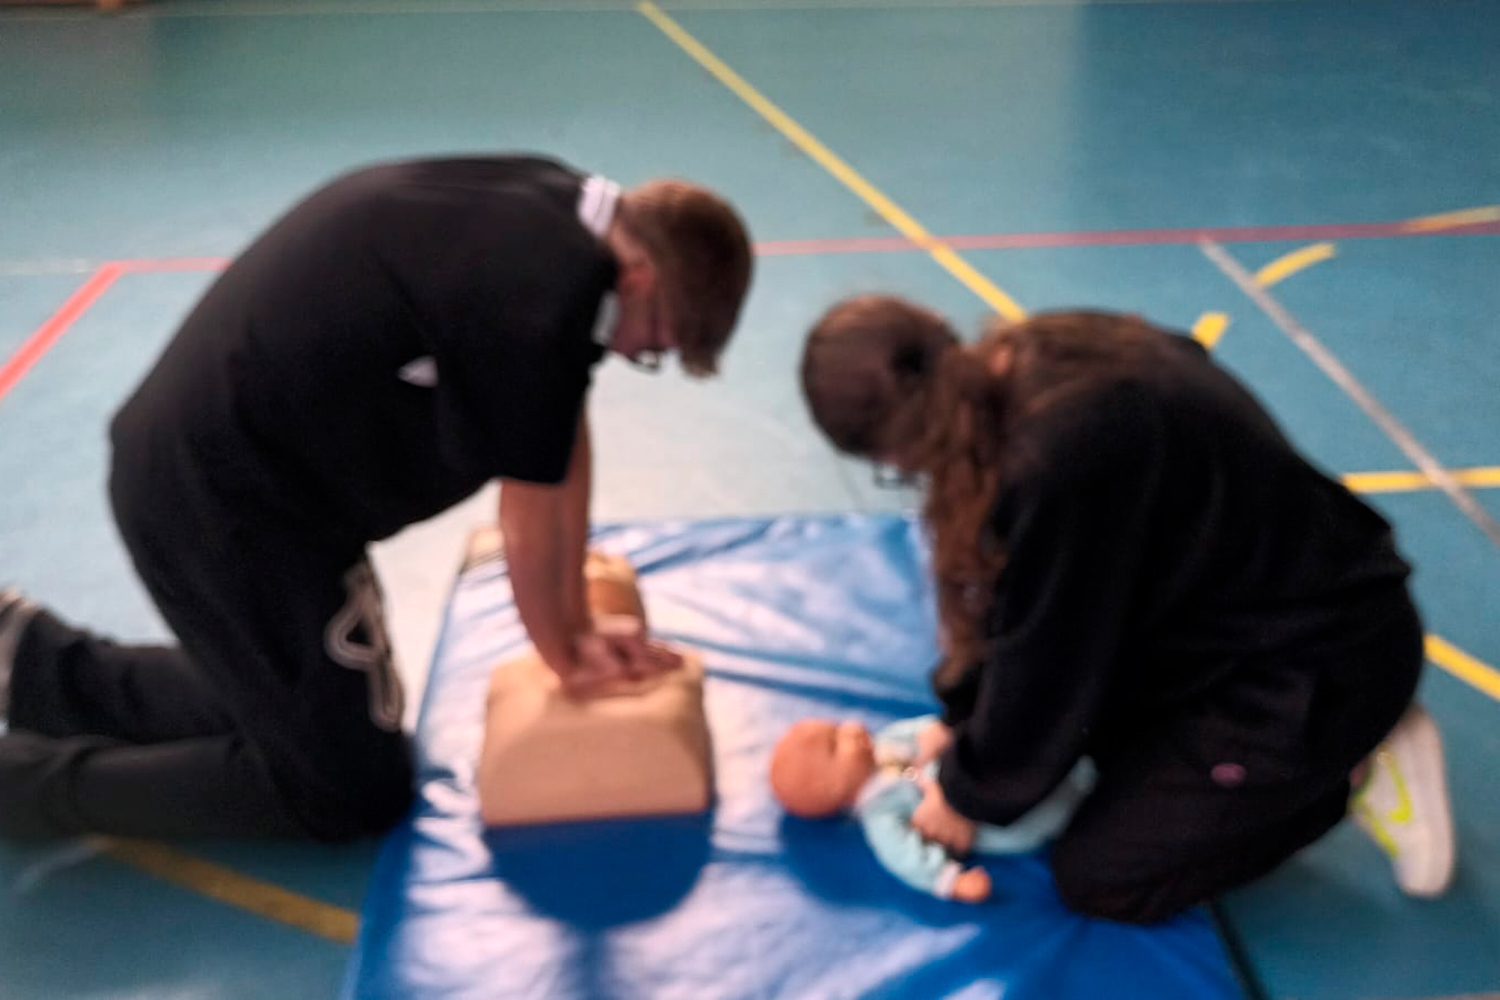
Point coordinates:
pixel 637 275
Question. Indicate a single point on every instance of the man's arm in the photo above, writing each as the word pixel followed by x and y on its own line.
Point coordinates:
pixel 546 529
pixel 574 510
pixel 546 543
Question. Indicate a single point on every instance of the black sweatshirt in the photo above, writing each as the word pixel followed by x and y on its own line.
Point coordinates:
pixel 1163 541
pixel 404 334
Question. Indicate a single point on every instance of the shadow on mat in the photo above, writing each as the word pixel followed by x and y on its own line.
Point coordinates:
pixel 600 875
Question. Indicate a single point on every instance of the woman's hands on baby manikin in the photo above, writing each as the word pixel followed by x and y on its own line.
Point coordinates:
pixel 937 821
pixel 932 742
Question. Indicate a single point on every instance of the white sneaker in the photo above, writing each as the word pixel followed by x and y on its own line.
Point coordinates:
pixel 1403 805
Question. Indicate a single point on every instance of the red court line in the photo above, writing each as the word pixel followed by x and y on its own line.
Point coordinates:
pixel 21 362
pixel 156 264
pixel 1312 233
pixel 47 334
pixel 1127 237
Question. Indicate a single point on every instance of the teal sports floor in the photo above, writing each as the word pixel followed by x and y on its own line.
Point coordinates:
pixel 1314 187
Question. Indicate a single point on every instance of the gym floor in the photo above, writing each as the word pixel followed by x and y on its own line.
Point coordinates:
pixel 1310 187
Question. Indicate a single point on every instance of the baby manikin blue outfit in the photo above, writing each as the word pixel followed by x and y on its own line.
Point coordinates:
pixel 886 803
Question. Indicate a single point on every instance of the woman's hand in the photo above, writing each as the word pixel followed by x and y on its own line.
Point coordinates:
pixel 932 742
pixel 936 821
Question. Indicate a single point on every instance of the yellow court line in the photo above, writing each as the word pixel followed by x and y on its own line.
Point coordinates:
pixel 1452 220
pixel 228 886
pixel 1480 676
pixel 1402 482
pixel 1298 260
pixel 829 161
pixel 1209 328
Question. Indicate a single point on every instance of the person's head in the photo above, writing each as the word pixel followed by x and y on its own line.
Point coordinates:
pixel 889 381
pixel 818 767
pixel 685 265
pixel 865 365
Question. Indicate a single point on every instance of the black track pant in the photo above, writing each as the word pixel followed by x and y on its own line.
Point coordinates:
pixel 278 714
pixel 1218 797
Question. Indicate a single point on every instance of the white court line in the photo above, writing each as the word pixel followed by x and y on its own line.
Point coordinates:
pixel 1345 380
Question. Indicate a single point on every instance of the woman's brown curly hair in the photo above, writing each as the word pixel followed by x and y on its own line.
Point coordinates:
pixel 890 381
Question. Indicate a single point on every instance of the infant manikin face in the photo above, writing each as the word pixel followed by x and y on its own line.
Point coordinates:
pixel 853 750
pixel 819 766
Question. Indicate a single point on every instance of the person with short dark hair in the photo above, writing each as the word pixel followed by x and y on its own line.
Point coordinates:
pixel 405 334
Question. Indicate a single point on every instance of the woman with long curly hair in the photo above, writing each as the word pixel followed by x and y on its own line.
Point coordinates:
pixel 1132 564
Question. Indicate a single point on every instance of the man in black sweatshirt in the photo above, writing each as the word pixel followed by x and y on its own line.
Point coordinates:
pixel 402 336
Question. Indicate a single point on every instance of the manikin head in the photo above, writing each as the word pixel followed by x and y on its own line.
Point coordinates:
pixel 819 767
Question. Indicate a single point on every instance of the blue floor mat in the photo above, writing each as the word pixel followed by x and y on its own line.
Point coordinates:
pixel 796 616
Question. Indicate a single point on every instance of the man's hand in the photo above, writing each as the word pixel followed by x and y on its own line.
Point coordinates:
pixel 616 652
pixel 936 821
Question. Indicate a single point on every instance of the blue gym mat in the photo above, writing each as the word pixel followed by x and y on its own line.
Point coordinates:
pixel 795 616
